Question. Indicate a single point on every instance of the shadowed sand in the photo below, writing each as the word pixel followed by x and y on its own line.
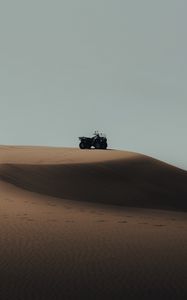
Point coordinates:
pixel 110 177
pixel 61 248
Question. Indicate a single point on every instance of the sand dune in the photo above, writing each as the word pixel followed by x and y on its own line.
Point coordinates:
pixel 114 177
pixel 55 247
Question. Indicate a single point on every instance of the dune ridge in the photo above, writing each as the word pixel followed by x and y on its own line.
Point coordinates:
pixel 120 178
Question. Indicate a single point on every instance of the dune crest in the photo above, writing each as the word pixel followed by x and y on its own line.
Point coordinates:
pixel 110 177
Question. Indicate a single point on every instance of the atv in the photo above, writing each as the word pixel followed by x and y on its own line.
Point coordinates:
pixel 98 141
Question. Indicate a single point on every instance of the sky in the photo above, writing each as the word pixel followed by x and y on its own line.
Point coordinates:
pixel 68 68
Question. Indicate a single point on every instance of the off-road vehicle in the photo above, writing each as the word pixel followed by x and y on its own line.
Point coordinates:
pixel 98 141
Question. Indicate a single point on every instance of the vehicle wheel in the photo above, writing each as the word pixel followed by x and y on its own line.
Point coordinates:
pixel 97 146
pixel 104 146
pixel 82 145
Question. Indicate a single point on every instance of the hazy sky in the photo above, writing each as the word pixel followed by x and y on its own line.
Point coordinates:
pixel 70 67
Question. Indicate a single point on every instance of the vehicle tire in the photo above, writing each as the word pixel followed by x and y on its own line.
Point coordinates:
pixel 82 145
pixel 104 146
pixel 97 146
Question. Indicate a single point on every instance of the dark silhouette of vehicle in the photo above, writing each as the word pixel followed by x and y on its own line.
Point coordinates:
pixel 98 141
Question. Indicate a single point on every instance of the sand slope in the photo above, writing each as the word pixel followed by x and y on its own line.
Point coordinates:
pixel 114 177
pixel 61 248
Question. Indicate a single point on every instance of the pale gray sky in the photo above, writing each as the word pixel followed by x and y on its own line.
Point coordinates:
pixel 70 67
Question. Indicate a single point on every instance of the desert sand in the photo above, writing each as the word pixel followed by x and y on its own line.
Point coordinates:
pixel 91 224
